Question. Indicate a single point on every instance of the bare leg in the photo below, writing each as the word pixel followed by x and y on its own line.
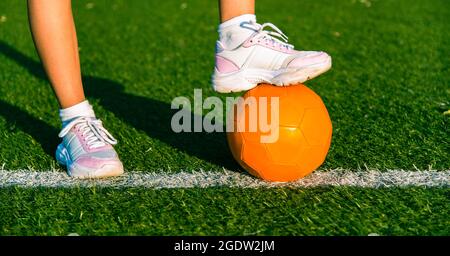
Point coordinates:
pixel 233 8
pixel 54 35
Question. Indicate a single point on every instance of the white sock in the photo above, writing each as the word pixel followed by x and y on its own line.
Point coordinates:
pixel 231 34
pixel 83 109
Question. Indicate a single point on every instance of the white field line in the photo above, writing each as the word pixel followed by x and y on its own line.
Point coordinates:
pixel 226 178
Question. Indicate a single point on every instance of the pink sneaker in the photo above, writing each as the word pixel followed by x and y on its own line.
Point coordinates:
pixel 265 57
pixel 86 150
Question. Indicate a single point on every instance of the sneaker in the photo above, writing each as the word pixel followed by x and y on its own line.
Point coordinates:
pixel 265 57
pixel 87 151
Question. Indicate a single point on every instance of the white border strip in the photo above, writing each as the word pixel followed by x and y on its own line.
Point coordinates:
pixel 226 178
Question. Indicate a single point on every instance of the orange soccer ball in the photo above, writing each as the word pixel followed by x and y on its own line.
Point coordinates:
pixel 303 133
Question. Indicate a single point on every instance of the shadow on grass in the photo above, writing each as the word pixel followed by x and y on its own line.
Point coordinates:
pixel 43 133
pixel 149 115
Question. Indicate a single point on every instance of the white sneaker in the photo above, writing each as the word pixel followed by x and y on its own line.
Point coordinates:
pixel 87 150
pixel 265 57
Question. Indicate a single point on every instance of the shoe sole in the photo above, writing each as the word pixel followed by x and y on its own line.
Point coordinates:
pixel 73 170
pixel 248 79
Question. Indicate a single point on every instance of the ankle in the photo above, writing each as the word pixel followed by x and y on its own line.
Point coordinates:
pixel 83 109
pixel 231 32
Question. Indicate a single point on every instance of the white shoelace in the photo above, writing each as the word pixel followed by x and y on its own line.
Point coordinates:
pixel 276 37
pixel 92 130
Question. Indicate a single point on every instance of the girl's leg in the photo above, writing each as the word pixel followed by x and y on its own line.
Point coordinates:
pixel 55 38
pixel 86 149
pixel 233 8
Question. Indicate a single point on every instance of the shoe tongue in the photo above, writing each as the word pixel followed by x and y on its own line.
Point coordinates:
pixel 86 126
pixel 65 123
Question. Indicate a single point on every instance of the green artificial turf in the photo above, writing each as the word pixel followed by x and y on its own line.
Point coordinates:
pixel 386 94
pixel 225 211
